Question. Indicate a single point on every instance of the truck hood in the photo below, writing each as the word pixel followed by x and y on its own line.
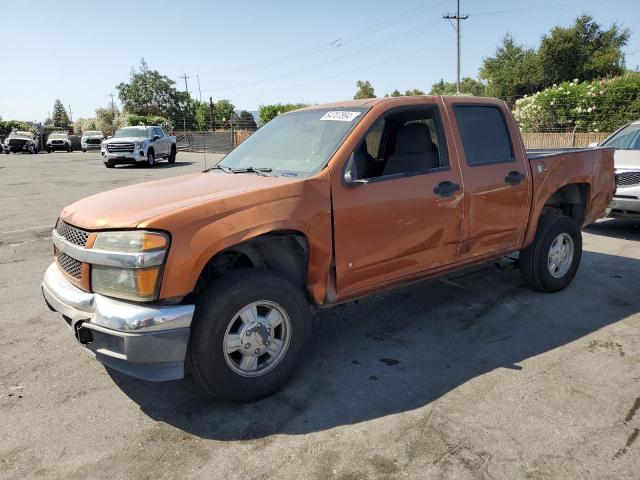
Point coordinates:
pixel 125 139
pixel 627 159
pixel 127 207
pixel 86 137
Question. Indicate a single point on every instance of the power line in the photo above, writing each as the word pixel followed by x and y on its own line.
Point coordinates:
pixel 457 17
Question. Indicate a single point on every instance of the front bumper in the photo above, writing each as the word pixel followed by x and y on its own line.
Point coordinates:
pixel 141 340
pixel 58 146
pixel 90 146
pixel 626 202
pixel 127 158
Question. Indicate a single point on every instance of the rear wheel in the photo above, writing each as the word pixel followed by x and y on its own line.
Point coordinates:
pixel 151 159
pixel 552 260
pixel 250 329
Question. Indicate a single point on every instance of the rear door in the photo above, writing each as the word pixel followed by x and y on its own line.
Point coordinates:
pixel 160 144
pixel 496 174
pixel 404 216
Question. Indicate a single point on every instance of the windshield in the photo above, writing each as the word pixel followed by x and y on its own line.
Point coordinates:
pixel 626 139
pixel 91 132
pixel 58 136
pixel 298 142
pixel 20 134
pixel 131 132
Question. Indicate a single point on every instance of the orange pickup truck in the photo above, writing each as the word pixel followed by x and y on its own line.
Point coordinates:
pixel 217 272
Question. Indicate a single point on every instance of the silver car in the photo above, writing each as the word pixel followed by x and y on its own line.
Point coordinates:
pixel 626 141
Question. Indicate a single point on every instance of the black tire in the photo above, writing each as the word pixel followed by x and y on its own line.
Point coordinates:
pixel 109 164
pixel 534 260
pixel 84 150
pixel 70 149
pixel 172 155
pixel 215 309
pixel 48 150
pixel 151 159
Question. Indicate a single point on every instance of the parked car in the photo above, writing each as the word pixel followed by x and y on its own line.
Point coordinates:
pixel 142 144
pixel 626 141
pixel 219 270
pixel 21 141
pixel 91 140
pixel 59 141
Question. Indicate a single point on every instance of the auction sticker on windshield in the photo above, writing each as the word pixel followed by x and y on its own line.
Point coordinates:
pixel 340 116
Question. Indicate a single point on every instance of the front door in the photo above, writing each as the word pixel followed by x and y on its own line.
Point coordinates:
pixel 404 214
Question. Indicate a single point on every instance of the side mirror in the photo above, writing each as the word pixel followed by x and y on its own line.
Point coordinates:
pixel 155 137
pixel 351 173
pixel 593 144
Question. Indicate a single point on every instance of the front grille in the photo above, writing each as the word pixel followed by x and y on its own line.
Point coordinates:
pixel 70 265
pixel 71 233
pixel 627 179
pixel 93 141
pixel 57 142
pixel 120 147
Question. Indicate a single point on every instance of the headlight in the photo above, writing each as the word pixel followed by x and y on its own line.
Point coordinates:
pixel 140 283
pixel 140 144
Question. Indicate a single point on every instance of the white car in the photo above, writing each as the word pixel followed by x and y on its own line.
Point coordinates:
pixel 18 141
pixel 59 141
pixel 626 141
pixel 91 139
pixel 141 144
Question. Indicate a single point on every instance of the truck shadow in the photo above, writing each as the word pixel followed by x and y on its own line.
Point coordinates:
pixel 159 164
pixel 627 229
pixel 399 351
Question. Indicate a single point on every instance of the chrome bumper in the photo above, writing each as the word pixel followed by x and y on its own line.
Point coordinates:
pixel 141 340
pixel 624 207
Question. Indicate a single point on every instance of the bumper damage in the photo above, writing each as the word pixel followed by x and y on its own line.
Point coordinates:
pixel 141 340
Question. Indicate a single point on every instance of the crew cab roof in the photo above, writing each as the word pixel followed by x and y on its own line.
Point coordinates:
pixel 402 100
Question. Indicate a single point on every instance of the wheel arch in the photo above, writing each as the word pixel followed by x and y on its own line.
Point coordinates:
pixel 570 199
pixel 283 251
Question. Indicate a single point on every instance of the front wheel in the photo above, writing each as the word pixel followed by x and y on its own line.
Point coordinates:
pixel 552 260
pixel 172 155
pixel 151 159
pixel 250 329
pixel 110 164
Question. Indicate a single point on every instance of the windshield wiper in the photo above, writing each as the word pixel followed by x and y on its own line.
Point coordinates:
pixel 258 170
pixel 219 167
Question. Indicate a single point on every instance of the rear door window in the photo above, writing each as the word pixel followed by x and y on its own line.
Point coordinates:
pixel 485 136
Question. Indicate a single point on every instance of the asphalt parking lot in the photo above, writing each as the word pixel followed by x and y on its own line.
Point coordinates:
pixel 471 375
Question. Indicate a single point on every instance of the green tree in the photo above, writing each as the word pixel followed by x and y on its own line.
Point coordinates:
pixel 60 117
pixel 583 51
pixel 514 71
pixel 269 112
pixel 395 93
pixel 7 126
pixel 365 90
pixel 246 121
pixel 150 93
pixel 225 112
pixel 413 93
pixel 468 86
pixel 107 119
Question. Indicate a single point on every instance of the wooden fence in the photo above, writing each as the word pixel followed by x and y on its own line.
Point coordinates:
pixel 561 140
pixel 531 140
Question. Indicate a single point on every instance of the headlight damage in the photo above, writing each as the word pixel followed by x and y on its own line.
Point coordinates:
pixel 139 281
pixel 124 264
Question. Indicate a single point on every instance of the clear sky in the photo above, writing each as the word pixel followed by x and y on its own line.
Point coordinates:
pixel 255 52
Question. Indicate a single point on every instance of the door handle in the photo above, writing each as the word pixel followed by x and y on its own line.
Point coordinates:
pixel 446 188
pixel 514 178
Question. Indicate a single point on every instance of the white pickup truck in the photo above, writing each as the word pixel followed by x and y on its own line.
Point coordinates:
pixel 141 144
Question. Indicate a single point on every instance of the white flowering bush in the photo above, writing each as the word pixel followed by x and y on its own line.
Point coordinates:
pixel 599 105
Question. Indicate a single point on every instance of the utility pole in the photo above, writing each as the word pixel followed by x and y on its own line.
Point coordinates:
pixel 70 115
pixel 186 88
pixel 113 107
pixel 212 109
pixel 457 17
pixel 199 91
